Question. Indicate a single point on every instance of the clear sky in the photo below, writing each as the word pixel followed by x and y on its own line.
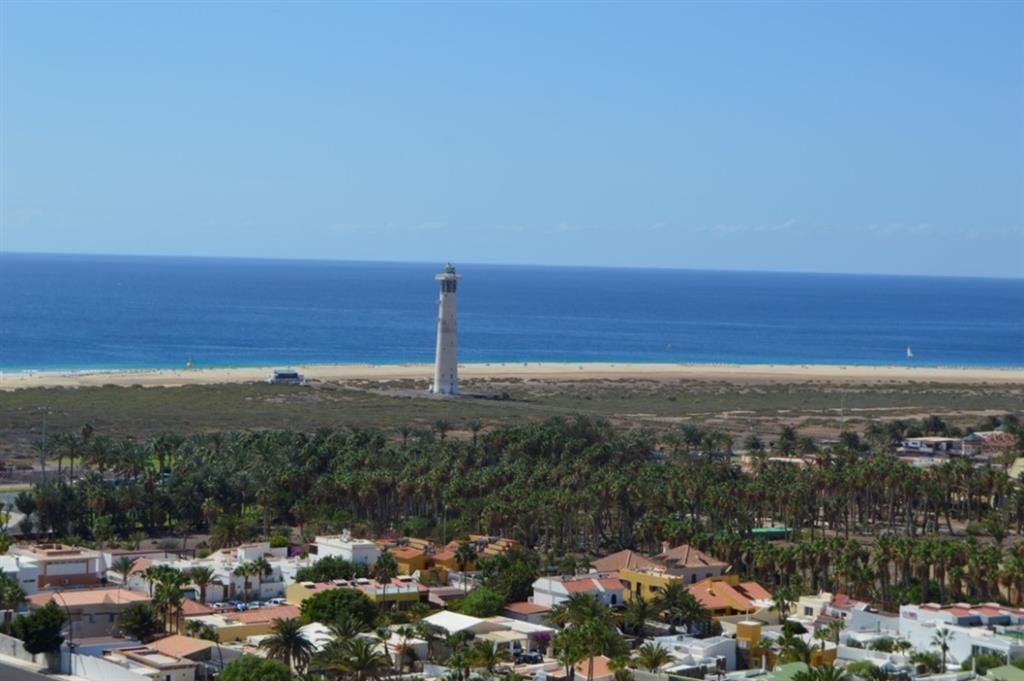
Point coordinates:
pixel 847 137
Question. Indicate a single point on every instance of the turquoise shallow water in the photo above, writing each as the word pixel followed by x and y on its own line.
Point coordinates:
pixel 84 312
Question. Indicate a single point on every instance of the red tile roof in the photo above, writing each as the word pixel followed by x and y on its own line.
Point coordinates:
pixel 623 560
pixel 180 646
pixel 527 608
pixel 190 608
pixel 685 555
pixel 85 597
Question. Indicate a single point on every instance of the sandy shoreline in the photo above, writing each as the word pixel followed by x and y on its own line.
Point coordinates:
pixel 754 373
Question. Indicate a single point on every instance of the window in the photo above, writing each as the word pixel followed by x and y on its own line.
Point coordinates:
pixel 693 579
pixel 614 599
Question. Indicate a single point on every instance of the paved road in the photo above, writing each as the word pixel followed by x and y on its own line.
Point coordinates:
pixel 12 673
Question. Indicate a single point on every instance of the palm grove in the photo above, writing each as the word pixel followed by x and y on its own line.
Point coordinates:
pixel 862 520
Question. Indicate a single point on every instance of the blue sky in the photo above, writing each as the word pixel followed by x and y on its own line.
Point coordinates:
pixel 840 137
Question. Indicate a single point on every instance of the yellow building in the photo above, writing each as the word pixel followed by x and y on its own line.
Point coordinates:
pixel 403 591
pixel 238 626
pixel 409 559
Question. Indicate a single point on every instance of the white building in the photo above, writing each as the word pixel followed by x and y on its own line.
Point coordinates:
pixel 344 546
pixel 224 563
pixel 701 655
pixel 985 628
pixel 22 570
pixel 551 591
pixel 446 360
pixel 62 566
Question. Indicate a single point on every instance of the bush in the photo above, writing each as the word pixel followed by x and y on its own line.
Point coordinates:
pixel 328 607
pixel 252 668
pixel 885 645
pixel 482 602
pixel 982 662
pixel 860 668
pixel 40 630
pixel 278 541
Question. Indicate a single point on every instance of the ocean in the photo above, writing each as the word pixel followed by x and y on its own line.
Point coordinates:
pixel 110 312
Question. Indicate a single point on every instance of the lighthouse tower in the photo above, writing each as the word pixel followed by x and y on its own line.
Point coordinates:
pixel 446 362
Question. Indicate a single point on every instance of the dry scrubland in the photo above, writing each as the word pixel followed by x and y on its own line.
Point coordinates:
pixel 735 404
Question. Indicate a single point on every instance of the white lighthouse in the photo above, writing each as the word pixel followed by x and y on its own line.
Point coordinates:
pixel 446 362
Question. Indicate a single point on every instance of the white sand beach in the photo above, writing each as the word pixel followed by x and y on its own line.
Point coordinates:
pixel 557 372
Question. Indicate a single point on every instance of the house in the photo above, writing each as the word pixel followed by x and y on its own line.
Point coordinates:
pixel 552 591
pixel 976 629
pixel 22 570
pixel 409 559
pixel 932 446
pixel 150 663
pixel 622 560
pixel 224 564
pixel 238 626
pixel 988 442
pixel 454 622
pixel 690 563
pixel 695 657
pixel 176 645
pixel 91 612
pixel 727 596
pixel 62 566
pixel 403 590
pixel 344 546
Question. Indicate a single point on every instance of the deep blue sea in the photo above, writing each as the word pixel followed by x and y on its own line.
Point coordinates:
pixel 85 312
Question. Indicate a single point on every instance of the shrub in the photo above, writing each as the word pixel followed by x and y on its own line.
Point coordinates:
pixel 982 662
pixel 252 668
pixel 328 607
pixel 278 541
pixel 482 602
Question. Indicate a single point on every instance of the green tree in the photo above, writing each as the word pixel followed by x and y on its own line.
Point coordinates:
pixel 252 668
pixel 287 644
pixel 486 655
pixel 202 576
pixel 123 567
pixel 331 606
pixel 11 596
pixel 40 630
pixel 941 640
pixel 141 621
pixel 356 658
pixel 482 602
pixel 385 569
pixel 465 555
pixel 652 657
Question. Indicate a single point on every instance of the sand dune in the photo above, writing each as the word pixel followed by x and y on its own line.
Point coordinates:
pixel 532 370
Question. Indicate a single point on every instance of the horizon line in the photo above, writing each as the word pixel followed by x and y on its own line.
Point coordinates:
pixel 182 256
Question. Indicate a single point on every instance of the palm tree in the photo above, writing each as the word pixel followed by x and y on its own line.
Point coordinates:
pixel 465 555
pixel 652 657
pixel 486 655
pixel 202 576
pixel 288 644
pixel 825 673
pixel 261 568
pixel 384 570
pixel 679 606
pixel 580 608
pixel 167 601
pixel 357 658
pixel 941 640
pixel 245 571
pixel 638 611
pixel 123 567
pixel 11 596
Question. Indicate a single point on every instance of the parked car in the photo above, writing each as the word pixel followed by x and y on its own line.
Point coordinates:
pixel 528 658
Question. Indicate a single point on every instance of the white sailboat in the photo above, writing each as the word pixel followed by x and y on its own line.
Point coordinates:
pixel 910 355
